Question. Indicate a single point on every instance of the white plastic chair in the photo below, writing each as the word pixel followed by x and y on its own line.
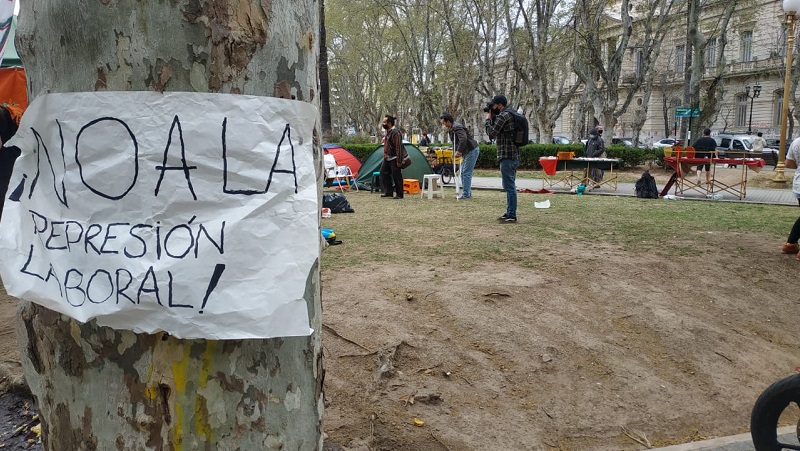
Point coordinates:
pixel 344 176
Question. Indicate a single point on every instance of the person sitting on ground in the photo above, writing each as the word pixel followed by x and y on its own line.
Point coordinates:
pixel 705 147
pixel 330 167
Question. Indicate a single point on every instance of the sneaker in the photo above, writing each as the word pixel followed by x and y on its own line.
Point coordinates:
pixel 503 218
pixel 508 219
pixel 789 248
pixel 463 197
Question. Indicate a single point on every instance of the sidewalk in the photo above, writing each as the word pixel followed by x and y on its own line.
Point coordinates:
pixel 776 196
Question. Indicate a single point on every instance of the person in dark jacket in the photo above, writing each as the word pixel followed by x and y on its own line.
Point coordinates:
pixel 424 141
pixel 8 127
pixel 393 154
pixel 596 148
pixel 466 147
pixel 705 147
pixel 499 126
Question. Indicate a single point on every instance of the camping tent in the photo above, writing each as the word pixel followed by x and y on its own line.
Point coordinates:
pixel 343 157
pixel 419 165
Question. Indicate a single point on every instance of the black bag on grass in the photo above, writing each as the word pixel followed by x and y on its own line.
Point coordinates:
pixel 337 203
pixel 646 187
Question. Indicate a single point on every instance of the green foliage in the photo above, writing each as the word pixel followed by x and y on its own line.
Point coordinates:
pixel 530 154
pixel 630 156
pixel 361 151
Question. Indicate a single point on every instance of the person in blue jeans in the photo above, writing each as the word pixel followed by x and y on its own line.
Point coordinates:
pixel 467 147
pixel 500 127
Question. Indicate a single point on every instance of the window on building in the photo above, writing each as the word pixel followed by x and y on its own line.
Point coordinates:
pixel 611 47
pixel 711 52
pixel 741 110
pixel 641 66
pixel 777 108
pixel 747 46
pixel 680 54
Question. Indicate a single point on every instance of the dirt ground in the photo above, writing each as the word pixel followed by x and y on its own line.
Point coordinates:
pixel 604 349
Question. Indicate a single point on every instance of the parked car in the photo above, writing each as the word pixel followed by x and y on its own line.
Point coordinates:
pixel 733 145
pixel 560 140
pixel 775 143
pixel 622 141
pixel 666 142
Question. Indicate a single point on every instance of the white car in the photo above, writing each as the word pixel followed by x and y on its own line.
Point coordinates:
pixel 666 142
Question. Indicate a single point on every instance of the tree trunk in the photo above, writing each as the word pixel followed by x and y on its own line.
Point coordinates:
pixel 104 389
pixel 324 84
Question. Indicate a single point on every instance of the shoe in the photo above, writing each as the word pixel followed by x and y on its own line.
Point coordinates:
pixel 386 195
pixel 503 218
pixel 509 219
pixel 462 197
pixel 789 248
pixel 397 197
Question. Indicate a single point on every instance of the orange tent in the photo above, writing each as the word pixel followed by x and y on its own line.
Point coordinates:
pixel 13 87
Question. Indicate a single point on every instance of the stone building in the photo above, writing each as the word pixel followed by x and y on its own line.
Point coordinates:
pixel 754 57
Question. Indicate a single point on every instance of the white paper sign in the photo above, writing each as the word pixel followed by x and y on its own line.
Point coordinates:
pixel 195 214
pixel 6 16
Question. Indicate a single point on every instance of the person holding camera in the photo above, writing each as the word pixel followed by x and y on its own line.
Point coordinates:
pixel 500 127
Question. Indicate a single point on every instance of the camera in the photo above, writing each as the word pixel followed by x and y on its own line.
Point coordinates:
pixel 487 108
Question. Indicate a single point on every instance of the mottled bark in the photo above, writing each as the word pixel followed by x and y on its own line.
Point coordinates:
pixel 105 389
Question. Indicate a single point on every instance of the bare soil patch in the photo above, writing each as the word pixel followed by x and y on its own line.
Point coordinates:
pixel 567 344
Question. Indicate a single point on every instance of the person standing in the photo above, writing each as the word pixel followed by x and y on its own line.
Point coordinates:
pixel 792 157
pixel 499 126
pixel 424 141
pixel 465 146
pixel 596 148
pixel 393 154
pixel 705 147
pixel 759 143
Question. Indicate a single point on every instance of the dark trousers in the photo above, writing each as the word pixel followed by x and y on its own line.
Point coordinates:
pixel 794 235
pixel 7 157
pixel 390 174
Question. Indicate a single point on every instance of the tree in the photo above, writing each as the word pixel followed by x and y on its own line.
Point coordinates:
pixel 100 388
pixel 324 83
pixel 535 57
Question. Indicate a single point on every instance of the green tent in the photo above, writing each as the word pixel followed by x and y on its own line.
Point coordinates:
pixel 419 165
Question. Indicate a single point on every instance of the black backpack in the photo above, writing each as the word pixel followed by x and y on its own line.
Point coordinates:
pixel 521 131
pixel 646 187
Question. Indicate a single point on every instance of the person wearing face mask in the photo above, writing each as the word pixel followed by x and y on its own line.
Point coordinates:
pixel 393 154
pixel 596 148
pixel 499 126
pixel 465 146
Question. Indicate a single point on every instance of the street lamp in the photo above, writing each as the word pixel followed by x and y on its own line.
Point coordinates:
pixel 790 7
pixel 756 93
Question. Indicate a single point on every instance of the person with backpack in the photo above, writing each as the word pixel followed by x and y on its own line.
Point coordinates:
pixel 465 146
pixel 500 127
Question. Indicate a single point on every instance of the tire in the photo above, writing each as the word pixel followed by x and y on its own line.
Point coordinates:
pixel 767 411
pixel 447 175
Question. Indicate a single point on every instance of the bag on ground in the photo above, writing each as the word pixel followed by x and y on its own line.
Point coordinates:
pixel 646 187
pixel 337 203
